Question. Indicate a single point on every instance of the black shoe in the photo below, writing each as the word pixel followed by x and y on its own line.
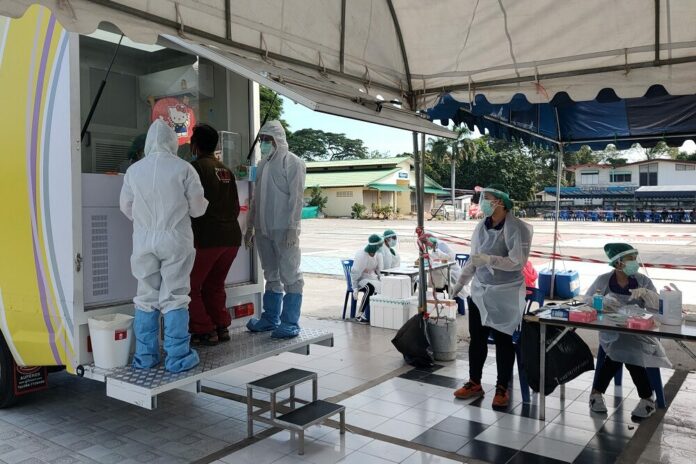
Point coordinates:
pixel 209 339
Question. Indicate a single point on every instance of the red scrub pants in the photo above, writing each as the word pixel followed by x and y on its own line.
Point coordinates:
pixel 207 309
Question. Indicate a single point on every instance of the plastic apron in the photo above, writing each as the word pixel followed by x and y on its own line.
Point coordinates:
pixel 639 350
pixel 499 295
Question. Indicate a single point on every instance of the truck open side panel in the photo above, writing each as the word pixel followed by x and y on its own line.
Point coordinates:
pixel 37 252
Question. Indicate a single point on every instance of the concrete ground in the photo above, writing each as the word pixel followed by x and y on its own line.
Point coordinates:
pixel 326 241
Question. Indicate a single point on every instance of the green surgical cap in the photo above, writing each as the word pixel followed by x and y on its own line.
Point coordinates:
pixel 373 243
pixel 616 251
pixel 389 233
pixel 499 191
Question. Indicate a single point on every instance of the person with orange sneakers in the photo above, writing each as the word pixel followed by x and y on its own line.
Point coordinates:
pixel 500 248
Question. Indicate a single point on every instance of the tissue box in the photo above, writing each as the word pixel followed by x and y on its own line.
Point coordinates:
pixel 587 315
pixel 391 313
pixel 645 322
pixel 396 287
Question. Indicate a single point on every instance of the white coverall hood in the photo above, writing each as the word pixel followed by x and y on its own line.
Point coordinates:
pixel 275 129
pixel 161 138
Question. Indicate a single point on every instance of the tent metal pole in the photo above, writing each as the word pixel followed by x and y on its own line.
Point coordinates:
pixel 483 85
pixel 559 162
pixel 512 126
pixel 455 147
pixel 559 175
pixel 418 161
pixel 421 223
pixel 342 57
pixel 657 31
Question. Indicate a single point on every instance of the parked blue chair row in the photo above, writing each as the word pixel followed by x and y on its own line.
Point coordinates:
pixel 653 375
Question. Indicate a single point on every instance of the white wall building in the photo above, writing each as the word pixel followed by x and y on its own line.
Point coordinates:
pixel 643 173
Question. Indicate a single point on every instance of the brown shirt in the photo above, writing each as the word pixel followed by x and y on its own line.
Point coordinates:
pixel 218 227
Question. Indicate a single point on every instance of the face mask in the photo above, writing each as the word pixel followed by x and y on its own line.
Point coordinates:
pixel 487 208
pixel 266 149
pixel 392 242
pixel 630 267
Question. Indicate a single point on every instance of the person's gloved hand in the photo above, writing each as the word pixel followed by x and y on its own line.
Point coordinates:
pixel 249 237
pixel 481 260
pixel 457 289
pixel 651 299
pixel 356 294
pixel 292 238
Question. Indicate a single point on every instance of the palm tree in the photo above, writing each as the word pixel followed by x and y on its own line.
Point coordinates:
pixel 461 149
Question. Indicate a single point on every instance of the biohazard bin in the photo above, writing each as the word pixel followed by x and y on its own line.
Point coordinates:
pixel 112 339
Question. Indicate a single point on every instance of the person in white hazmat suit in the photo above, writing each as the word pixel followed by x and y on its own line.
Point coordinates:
pixel 366 275
pixel 390 257
pixel 274 223
pixel 500 248
pixel 626 286
pixel 160 194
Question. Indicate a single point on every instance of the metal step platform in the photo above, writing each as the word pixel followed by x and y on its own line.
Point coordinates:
pixel 297 420
pixel 309 415
pixel 140 387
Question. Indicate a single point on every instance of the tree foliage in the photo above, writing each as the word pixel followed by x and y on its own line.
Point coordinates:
pixel 661 150
pixel 316 145
pixel 684 156
pixel 272 104
pixel 487 161
pixel 317 199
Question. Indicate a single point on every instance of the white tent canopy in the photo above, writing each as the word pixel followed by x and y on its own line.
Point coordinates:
pixel 413 50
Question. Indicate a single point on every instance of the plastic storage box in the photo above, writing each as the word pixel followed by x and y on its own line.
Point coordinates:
pixel 397 287
pixel 391 313
pixel 567 283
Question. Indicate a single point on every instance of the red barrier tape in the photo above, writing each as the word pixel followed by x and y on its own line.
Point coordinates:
pixel 546 255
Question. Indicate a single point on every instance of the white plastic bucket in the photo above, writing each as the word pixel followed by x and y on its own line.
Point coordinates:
pixel 112 338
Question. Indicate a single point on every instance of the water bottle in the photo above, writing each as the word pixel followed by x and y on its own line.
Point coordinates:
pixel 598 301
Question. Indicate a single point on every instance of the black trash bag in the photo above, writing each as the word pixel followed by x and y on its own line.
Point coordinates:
pixel 412 341
pixel 568 358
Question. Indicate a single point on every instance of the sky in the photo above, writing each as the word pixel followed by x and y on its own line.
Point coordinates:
pixel 386 140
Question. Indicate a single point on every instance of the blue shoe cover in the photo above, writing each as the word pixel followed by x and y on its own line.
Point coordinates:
pixel 290 317
pixel 180 356
pixel 146 329
pixel 270 318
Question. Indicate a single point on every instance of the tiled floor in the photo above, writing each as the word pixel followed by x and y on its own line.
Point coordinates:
pixel 417 410
pixel 409 418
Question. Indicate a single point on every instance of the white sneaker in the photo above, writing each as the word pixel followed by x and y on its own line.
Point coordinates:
pixel 361 320
pixel 645 408
pixel 597 403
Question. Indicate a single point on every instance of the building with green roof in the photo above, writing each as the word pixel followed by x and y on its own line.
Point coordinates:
pixel 371 182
